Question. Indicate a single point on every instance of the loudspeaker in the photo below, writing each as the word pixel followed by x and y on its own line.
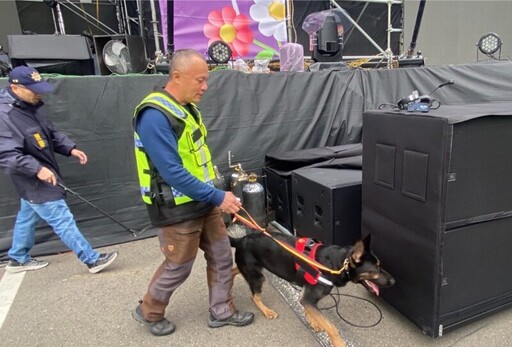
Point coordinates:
pixel 61 54
pixel 437 201
pixel 136 50
pixel 279 197
pixel 280 165
pixel 326 204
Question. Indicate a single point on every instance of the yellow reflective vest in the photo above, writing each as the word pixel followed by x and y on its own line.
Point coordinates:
pixel 192 149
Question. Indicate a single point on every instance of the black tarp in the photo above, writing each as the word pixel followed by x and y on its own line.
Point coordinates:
pixel 283 163
pixel 250 115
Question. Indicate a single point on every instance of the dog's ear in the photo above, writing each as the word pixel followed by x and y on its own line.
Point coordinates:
pixel 357 251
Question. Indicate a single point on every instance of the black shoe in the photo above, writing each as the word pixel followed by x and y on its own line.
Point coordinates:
pixel 103 261
pixel 159 328
pixel 237 319
pixel 33 264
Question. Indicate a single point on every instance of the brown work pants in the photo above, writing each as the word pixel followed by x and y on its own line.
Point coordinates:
pixel 179 243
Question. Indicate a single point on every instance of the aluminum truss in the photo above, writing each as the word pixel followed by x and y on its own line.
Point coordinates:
pixel 386 54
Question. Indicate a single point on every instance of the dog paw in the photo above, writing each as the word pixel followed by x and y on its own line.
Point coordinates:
pixel 270 314
pixel 316 328
pixel 314 325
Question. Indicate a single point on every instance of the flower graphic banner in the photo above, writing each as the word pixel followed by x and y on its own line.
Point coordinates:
pixel 252 28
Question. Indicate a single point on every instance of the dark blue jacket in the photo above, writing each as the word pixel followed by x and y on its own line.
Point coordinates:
pixel 28 141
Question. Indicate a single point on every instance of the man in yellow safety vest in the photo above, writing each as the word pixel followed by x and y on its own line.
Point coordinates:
pixel 176 174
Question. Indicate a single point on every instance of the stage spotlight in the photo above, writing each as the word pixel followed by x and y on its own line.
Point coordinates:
pixel 328 41
pixel 220 52
pixel 489 43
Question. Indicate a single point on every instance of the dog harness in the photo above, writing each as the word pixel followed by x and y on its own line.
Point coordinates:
pixel 312 275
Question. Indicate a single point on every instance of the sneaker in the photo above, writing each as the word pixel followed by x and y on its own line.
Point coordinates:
pixel 237 319
pixel 33 264
pixel 103 261
pixel 159 328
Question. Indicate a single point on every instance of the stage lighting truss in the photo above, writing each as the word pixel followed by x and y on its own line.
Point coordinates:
pixel 220 52
pixel 489 44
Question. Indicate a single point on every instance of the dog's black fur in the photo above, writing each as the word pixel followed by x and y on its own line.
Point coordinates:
pixel 256 251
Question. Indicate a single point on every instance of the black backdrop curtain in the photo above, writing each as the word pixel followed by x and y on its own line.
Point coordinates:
pixel 248 114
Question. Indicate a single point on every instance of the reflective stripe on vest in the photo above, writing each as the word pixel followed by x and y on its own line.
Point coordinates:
pixel 192 147
pixel 143 166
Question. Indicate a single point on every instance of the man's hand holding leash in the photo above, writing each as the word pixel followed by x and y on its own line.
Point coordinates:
pixel 230 204
pixel 47 175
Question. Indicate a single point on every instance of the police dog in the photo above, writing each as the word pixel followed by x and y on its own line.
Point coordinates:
pixel 258 250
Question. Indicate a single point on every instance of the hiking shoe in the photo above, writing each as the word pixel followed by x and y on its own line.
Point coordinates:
pixel 237 319
pixel 159 328
pixel 33 264
pixel 103 261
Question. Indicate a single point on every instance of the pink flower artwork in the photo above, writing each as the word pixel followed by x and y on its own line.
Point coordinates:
pixel 232 28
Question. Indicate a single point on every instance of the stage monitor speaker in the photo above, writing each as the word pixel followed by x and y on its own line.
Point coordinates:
pixel 136 51
pixel 61 54
pixel 279 197
pixel 437 201
pixel 326 204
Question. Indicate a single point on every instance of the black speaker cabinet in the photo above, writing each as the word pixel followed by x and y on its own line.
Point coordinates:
pixel 61 54
pixel 326 204
pixel 437 199
pixel 279 193
pixel 280 165
pixel 136 50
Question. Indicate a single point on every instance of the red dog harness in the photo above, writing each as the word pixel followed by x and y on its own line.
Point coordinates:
pixel 308 247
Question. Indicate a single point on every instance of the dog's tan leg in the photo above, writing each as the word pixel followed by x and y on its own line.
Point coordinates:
pixel 268 313
pixel 319 323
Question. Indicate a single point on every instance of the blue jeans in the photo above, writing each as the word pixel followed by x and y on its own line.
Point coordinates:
pixel 59 217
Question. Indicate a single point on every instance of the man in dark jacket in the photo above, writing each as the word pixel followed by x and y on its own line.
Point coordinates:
pixel 28 143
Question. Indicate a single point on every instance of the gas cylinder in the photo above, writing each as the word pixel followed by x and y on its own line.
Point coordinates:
pixel 238 181
pixel 220 183
pixel 254 200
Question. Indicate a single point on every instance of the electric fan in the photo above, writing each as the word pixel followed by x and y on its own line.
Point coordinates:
pixel 116 57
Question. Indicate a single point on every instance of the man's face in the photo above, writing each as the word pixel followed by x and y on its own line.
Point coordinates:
pixel 193 81
pixel 26 94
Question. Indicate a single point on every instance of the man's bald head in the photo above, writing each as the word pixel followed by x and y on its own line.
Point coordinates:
pixel 183 59
pixel 188 76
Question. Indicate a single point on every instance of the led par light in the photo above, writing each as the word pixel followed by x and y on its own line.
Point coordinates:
pixel 489 43
pixel 220 52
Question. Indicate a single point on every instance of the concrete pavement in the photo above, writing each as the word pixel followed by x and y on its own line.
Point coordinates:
pixel 64 305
